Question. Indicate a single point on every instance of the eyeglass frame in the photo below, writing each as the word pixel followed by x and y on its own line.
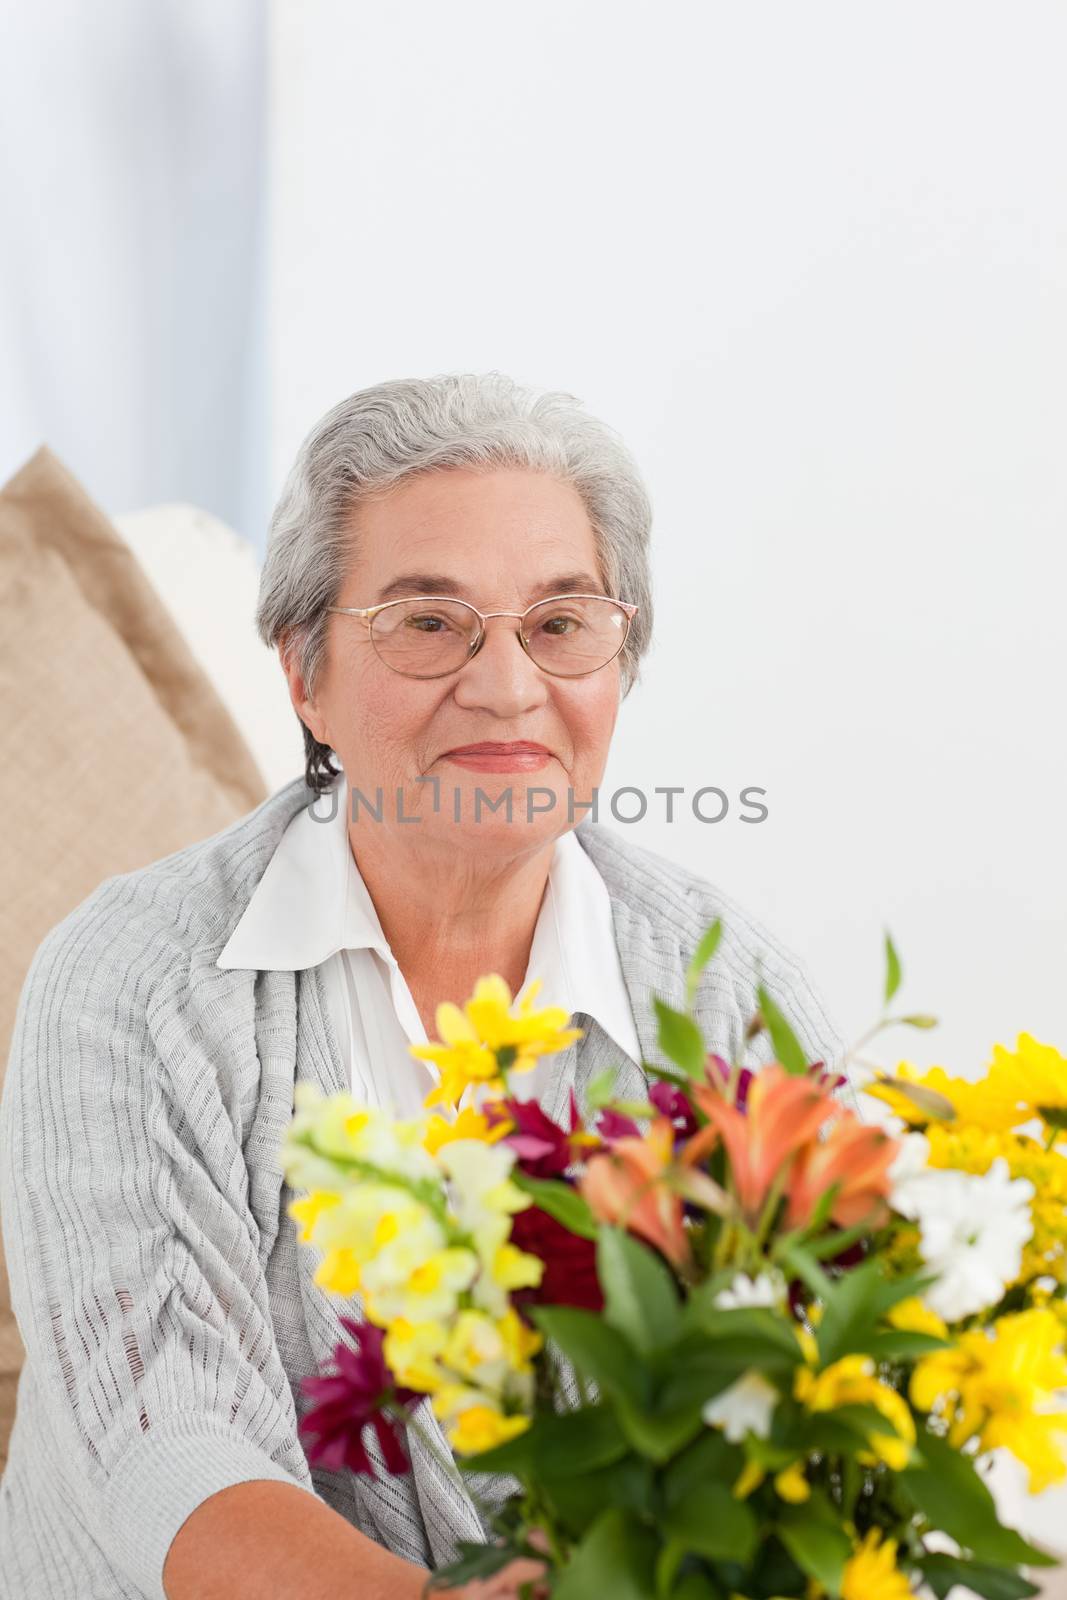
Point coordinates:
pixel 368 613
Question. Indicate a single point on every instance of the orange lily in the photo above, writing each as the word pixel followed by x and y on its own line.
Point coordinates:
pixel 783 1113
pixel 855 1157
pixel 627 1184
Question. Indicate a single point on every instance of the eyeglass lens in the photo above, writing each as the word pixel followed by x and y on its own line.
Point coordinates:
pixel 568 637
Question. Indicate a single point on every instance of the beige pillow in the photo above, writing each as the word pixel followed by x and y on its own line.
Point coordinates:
pixel 115 748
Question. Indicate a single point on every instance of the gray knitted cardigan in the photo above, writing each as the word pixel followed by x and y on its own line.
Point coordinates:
pixel 166 1308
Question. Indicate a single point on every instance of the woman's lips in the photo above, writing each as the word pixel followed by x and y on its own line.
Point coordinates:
pixel 499 757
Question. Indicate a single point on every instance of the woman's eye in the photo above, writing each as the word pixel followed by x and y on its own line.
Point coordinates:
pixel 559 625
pixel 427 623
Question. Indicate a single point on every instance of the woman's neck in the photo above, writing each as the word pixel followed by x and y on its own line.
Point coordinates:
pixel 451 915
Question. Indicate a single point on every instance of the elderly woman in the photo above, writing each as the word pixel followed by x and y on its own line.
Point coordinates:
pixel 457 584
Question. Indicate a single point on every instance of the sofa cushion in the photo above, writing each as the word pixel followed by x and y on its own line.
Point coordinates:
pixel 115 748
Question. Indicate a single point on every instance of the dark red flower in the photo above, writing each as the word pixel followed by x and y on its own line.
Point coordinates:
pixel 542 1148
pixel 350 1399
pixel 674 1104
pixel 570 1262
pixel 719 1073
pixel 613 1125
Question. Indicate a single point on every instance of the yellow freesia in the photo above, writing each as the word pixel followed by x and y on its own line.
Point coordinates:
pixel 513 1268
pixel 413 1352
pixel 339 1271
pixel 427 1291
pixel 482 1427
pixel 309 1208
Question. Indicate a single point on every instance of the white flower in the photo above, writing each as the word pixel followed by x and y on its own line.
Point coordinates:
pixel 912 1160
pixel 973 1229
pixel 766 1290
pixel 747 1406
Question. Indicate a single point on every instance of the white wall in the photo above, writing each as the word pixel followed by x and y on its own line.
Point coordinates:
pixel 810 260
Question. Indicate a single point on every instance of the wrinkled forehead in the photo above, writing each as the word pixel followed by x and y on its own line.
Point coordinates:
pixel 489 538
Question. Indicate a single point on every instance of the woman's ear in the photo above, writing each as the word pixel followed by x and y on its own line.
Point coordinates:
pixel 304 703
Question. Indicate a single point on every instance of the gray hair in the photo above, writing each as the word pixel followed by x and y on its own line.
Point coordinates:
pixel 382 436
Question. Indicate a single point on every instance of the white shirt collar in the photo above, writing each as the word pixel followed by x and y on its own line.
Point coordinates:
pixel 312 901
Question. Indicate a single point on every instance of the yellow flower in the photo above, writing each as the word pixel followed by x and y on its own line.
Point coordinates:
pixel 937 1097
pixel 871 1573
pixel 484 1042
pixel 513 1268
pixel 473 1419
pixel 851 1382
pixel 339 1271
pixel 482 1427
pixel 470 1123
pixel 752 1475
pixel 792 1485
pixel 997 1385
pixel 1034 1075
pixel 418 1291
pixel 413 1352
pixel 309 1209
pixel 521 1342
pixel 912 1316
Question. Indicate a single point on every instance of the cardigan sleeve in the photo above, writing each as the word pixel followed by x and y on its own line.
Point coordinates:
pixel 135 1276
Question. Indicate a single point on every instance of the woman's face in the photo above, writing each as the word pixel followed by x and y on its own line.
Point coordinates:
pixel 498 538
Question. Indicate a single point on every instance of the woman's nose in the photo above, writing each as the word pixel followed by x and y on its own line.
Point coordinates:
pixel 501 676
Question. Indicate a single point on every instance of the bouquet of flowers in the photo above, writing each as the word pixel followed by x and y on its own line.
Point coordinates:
pixel 730 1341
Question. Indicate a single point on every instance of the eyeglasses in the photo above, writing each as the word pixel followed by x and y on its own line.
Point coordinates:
pixel 567 635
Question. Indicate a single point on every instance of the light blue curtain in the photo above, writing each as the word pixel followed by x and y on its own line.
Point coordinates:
pixel 132 249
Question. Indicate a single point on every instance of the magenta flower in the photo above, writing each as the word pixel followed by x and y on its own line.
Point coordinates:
pixel 542 1148
pixel 350 1399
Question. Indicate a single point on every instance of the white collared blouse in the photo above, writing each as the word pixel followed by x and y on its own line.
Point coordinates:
pixel 313 907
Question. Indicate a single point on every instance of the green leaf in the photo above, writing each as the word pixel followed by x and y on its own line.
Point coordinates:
pixel 597 1350
pixel 818 1545
pixel 798 1260
pixel 787 1047
pixel 640 1298
pixel 711 1457
pixel 660 1432
pixel 949 1491
pixel 741 1336
pixel 1053 1116
pixel 680 1039
pixel 892 968
pixel 709 1522
pixel 902 1344
pixel 918 1019
pixel 473 1561
pixel 855 1305
pixel 600 1089
pixel 578 1498
pixel 944 1572
pixel 709 943
pixel 616 1559
pixel 560 1201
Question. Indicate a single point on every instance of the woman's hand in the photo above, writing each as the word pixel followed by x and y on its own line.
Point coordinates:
pixel 506 1584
